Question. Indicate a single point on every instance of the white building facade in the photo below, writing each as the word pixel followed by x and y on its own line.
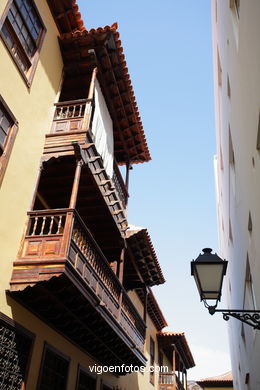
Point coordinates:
pixel 236 57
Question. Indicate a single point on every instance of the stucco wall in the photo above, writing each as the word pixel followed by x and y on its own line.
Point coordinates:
pixel 236 39
pixel 33 108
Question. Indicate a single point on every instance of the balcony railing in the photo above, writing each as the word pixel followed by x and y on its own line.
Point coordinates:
pixel 61 233
pixel 120 185
pixel 170 381
pixel 70 123
pixel 71 115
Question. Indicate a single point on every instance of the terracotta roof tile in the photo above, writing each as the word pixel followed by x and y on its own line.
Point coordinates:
pixel 220 378
pixel 166 339
pixel 98 32
pixel 139 234
pixel 77 14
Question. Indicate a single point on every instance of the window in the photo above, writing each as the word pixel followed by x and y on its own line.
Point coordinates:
pixel 250 224
pixel 104 387
pixel 22 32
pixel 249 298
pixel 152 350
pixel 228 87
pixel 54 370
pixel 219 69
pixel 231 150
pixel 85 381
pixel 8 130
pixel 160 360
pixel 258 134
pixel 15 350
pixel 237 5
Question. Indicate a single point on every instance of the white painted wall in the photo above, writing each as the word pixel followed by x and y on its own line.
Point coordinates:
pixel 102 129
pixel 236 39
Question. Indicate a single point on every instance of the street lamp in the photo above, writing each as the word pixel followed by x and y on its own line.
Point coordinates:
pixel 208 271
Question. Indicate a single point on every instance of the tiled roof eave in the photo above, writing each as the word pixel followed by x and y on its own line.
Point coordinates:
pixel 103 32
pixel 143 235
pixel 171 336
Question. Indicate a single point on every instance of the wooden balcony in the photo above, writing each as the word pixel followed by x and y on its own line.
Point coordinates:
pixel 70 124
pixel 170 381
pixel 63 276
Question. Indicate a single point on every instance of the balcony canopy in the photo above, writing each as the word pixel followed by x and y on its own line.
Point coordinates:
pixel 142 264
pixel 184 356
pixel 82 51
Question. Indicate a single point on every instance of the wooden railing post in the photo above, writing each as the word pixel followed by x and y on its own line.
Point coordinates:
pixel 121 265
pixel 174 366
pixel 128 167
pixel 92 84
pixel 120 277
pixel 120 305
pixel 89 105
pixel 70 215
pixel 75 186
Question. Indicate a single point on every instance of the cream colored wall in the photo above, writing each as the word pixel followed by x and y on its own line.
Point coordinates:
pixel 237 40
pixel 33 108
pixel 139 380
pixel 47 335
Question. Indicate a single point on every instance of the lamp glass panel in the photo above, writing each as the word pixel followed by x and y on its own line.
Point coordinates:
pixel 210 277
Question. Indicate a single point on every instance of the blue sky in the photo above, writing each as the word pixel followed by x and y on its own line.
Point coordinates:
pixel 167 46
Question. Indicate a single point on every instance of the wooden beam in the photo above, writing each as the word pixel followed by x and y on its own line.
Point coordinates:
pixel 75 187
pixel 92 84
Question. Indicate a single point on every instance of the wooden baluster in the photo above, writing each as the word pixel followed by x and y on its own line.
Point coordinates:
pixel 81 240
pixel 51 224
pixel 76 232
pixel 84 106
pixel 67 112
pixel 86 248
pixel 92 84
pixel 58 113
pixel 73 111
pixel 80 110
pixel 59 224
pixel 43 225
pixel 34 226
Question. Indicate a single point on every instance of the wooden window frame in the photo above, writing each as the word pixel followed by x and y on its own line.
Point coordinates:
pixel 16 327
pixel 106 387
pixel 9 141
pixel 152 359
pixel 85 371
pixel 235 5
pixel 32 61
pixel 160 359
pixel 49 347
